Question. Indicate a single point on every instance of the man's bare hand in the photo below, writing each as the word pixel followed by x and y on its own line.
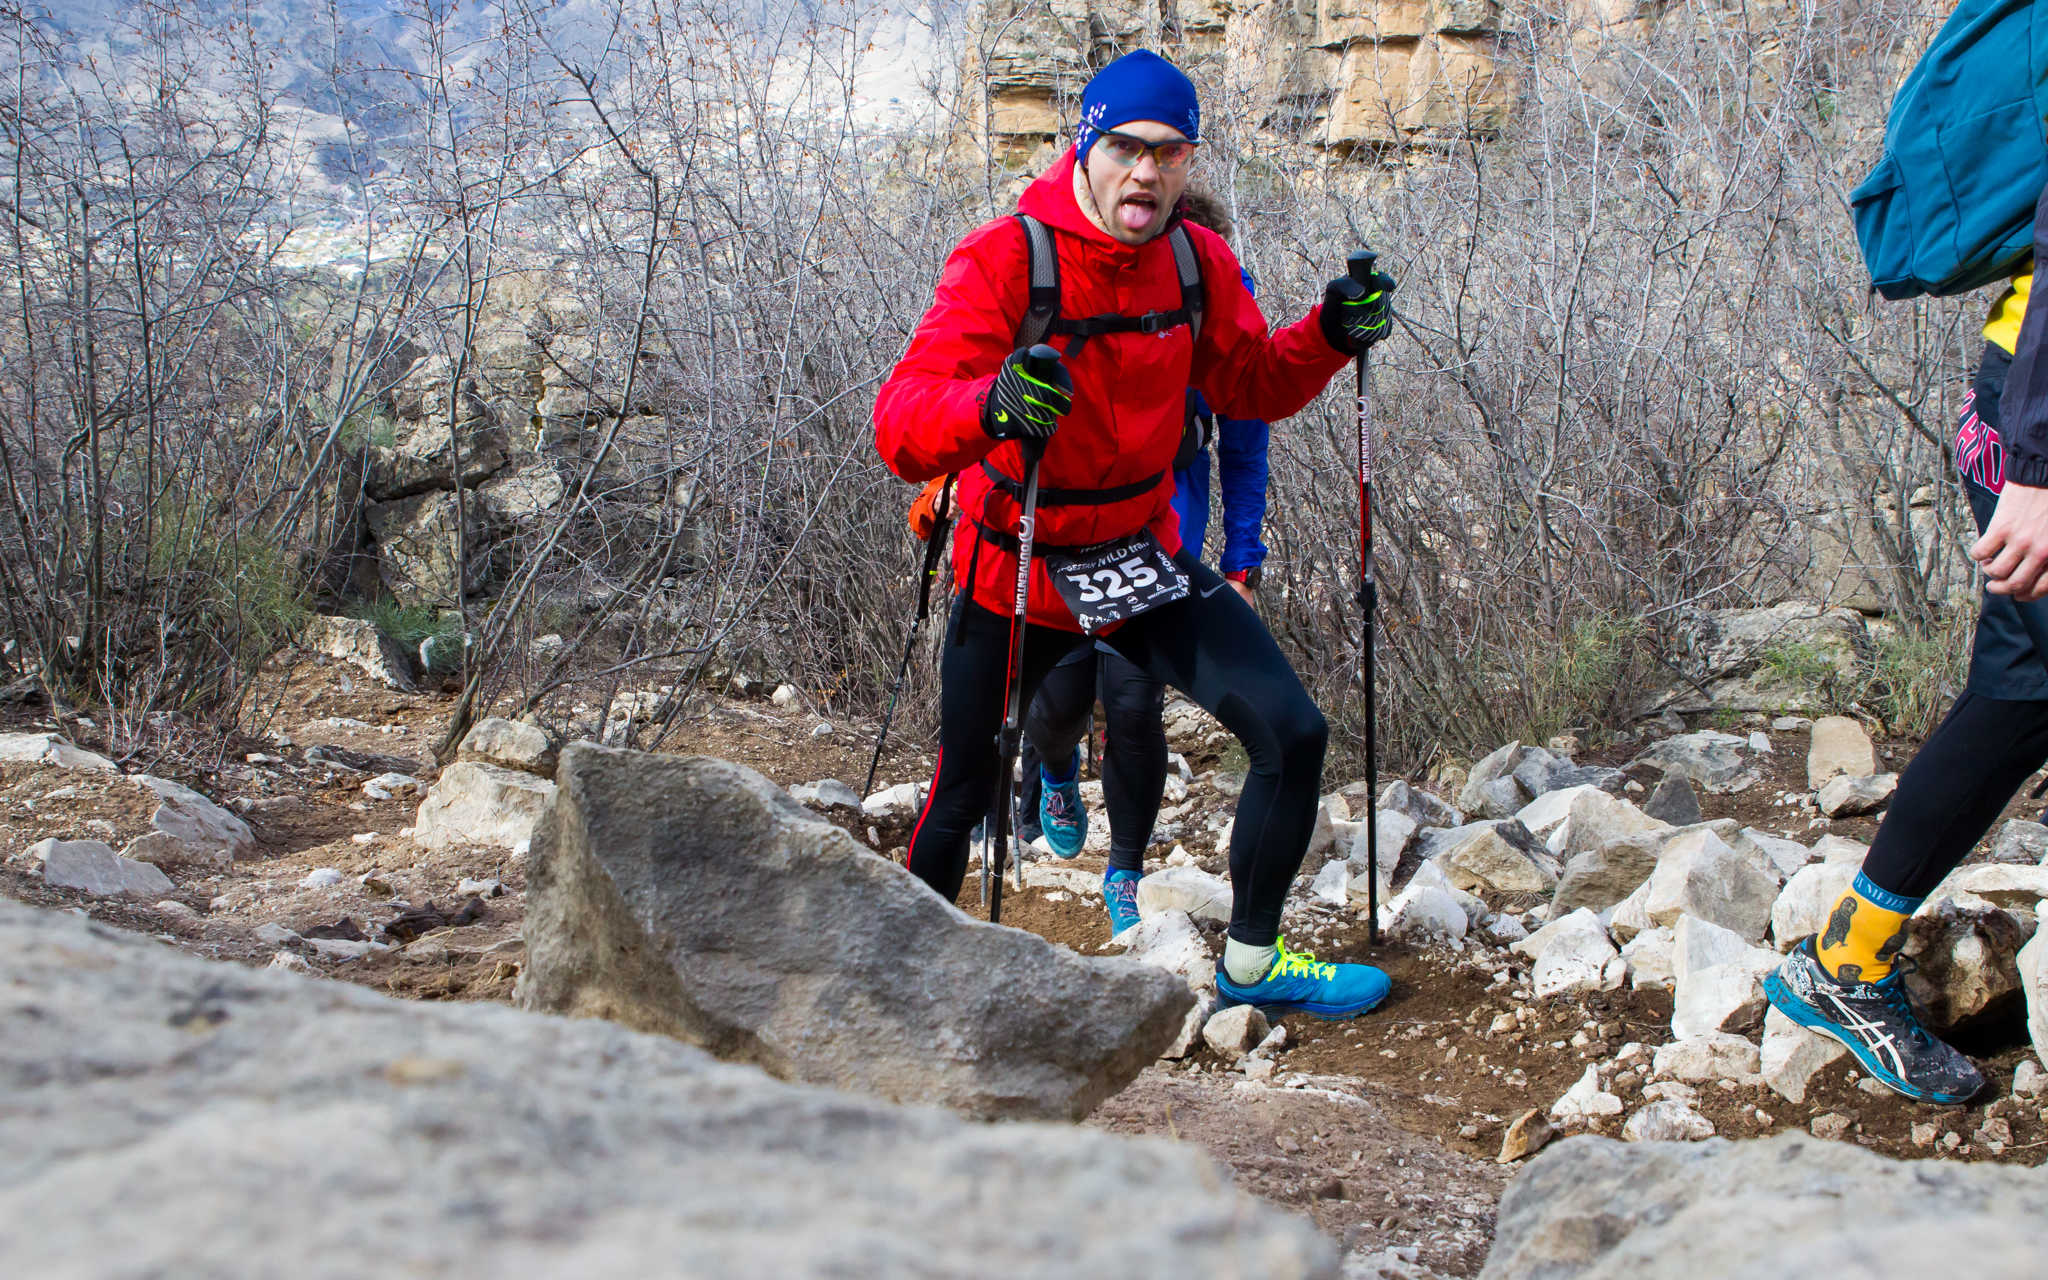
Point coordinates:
pixel 2014 549
pixel 1245 593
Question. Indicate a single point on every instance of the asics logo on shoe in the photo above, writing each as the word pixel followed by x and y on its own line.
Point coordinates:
pixel 1872 1034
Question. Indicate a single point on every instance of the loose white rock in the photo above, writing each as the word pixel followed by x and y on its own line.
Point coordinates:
pixel 2028 1079
pixel 1578 819
pixel 1584 1101
pixel 1422 914
pixel 1169 940
pixel 1333 884
pixel 1234 1032
pixel 1630 916
pixel 2020 841
pixel 1488 857
pixel 825 793
pixel 1851 797
pixel 188 828
pixel 509 744
pixel 1792 1056
pixel 1717 979
pixel 1649 958
pixel 899 803
pixel 1699 875
pixel 1834 848
pixel 482 804
pixel 51 750
pixel 1839 748
pixel 1187 889
pixel 321 878
pixel 2033 966
pixel 1714 1056
pixel 1788 856
pixel 1578 957
pixel 390 786
pixel 2001 885
pixel 1668 1121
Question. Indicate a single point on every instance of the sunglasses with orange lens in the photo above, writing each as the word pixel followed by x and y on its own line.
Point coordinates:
pixel 1126 150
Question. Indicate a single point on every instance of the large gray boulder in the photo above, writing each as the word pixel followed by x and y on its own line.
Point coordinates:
pixel 153 1098
pixel 91 866
pixel 1785 1208
pixel 1715 762
pixel 1599 878
pixel 1734 658
pixel 693 897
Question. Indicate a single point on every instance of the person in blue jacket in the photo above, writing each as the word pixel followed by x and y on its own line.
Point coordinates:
pixel 1134 759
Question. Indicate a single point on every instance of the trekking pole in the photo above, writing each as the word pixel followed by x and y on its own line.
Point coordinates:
pixel 942 524
pixel 1040 364
pixel 1360 268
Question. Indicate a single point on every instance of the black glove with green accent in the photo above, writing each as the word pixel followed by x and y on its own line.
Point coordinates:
pixel 1029 396
pixel 1354 315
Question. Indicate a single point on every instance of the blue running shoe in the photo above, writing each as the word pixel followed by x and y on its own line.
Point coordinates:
pixel 1120 894
pixel 1875 1021
pixel 1299 983
pixel 1061 815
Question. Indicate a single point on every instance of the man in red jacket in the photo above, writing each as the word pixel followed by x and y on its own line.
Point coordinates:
pixel 960 401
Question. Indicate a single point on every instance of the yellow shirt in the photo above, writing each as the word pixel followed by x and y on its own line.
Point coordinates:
pixel 2003 327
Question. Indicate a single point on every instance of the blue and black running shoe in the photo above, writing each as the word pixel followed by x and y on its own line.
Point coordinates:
pixel 1120 895
pixel 1061 816
pixel 1299 983
pixel 1875 1022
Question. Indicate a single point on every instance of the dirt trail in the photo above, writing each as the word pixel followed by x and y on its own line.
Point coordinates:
pixel 1382 1130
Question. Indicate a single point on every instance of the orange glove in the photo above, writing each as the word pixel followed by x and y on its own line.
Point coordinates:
pixel 924 513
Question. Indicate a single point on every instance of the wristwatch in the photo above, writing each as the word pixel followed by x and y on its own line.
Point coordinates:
pixel 1249 577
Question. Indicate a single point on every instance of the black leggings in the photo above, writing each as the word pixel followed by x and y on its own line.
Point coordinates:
pixel 1210 646
pixel 1134 756
pixel 1955 789
pixel 1996 735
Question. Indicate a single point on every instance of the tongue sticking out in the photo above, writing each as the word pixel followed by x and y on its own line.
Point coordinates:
pixel 1136 215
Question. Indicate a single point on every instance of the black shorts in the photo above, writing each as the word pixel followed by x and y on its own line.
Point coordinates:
pixel 2007 659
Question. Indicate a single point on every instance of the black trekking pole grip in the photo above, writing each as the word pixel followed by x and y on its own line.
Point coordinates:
pixel 1359 266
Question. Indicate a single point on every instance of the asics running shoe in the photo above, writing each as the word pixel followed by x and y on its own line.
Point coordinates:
pixel 1120 895
pixel 1875 1021
pixel 1061 816
pixel 1299 983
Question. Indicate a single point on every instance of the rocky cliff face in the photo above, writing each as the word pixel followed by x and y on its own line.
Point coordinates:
pixel 1326 73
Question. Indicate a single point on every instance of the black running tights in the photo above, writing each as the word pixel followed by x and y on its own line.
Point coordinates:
pixel 1954 789
pixel 1134 751
pixel 1212 647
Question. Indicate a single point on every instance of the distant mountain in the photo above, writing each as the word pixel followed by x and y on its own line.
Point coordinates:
pixel 348 72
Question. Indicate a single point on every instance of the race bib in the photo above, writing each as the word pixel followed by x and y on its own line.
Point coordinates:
pixel 1117 581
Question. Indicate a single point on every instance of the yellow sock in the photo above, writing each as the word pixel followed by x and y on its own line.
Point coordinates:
pixel 1864 932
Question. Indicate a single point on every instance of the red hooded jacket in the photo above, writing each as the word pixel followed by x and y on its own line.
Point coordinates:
pixel 1129 388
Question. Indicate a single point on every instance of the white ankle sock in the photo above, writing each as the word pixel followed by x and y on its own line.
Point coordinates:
pixel 1246 963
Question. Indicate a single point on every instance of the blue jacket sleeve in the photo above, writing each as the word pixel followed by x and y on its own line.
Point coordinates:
pixel 1241 468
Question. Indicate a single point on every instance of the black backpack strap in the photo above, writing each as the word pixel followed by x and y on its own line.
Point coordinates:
pixel 1189 266
pixel 1045 282
pixel 1052 497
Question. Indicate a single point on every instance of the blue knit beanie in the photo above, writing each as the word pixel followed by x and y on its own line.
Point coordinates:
pixel 1141 85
